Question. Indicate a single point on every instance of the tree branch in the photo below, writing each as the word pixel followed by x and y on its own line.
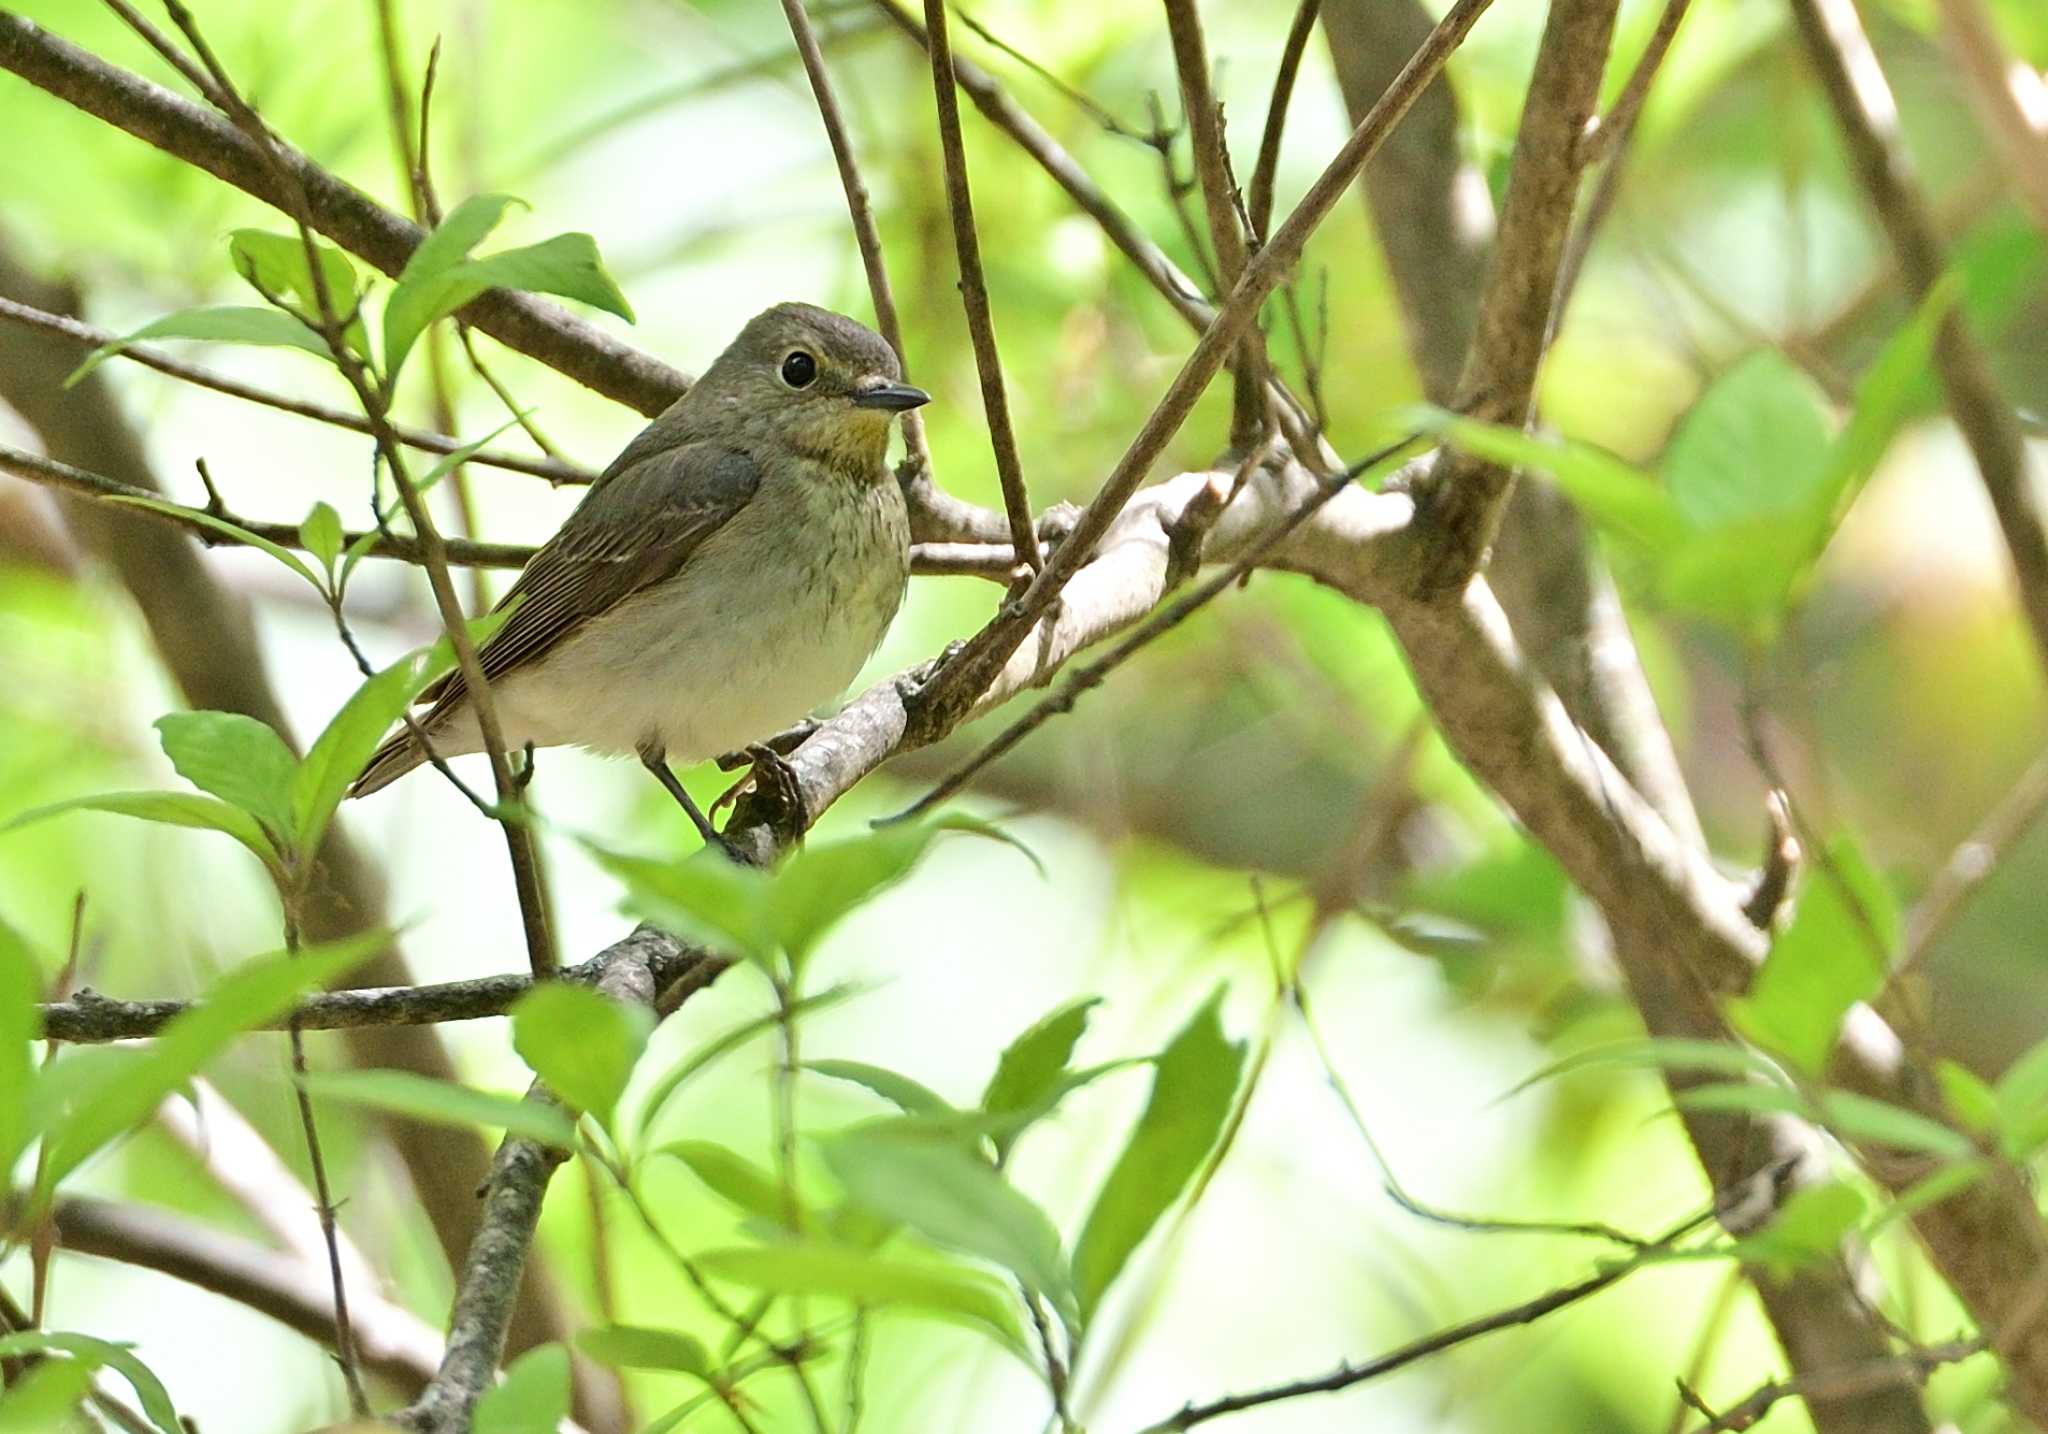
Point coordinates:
pixel 2010 96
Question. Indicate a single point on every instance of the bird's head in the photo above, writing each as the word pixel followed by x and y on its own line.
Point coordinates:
pixel 815 380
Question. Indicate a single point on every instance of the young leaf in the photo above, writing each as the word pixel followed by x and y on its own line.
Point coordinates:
pixel 321 533
pixel 1876 1122
pixel 444 1103
pixel 733 1178
pixel 1969 1099
pixel 46 1397
pixel 21 987
pixel 899 1090
pixel 1824 963
pixel 119 1094
pixel 532 1398
pixel 1809 1227
pixel 705 896
pixel 96 1353
pixel 1192 1090
pixel 582 1044
pixel 947 1291
pixel 1752 1097
pixel 408 311
pixel 1753 446
pixel 625 1346
pixel 1672 1053
pixel 226 529
pixel 228 323
pixel 178 809
pixel 275 264
pixel 236 758
pixel 819 885
pixel 954 1199
pixel 1031 1066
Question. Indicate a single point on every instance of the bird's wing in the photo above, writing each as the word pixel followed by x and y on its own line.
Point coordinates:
pixel 640 527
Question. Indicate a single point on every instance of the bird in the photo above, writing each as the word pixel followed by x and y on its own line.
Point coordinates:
pixel 730 571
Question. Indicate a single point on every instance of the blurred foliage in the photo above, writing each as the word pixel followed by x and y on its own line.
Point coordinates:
pixel 1253 821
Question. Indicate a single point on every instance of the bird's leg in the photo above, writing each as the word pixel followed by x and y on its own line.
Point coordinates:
pixel 789 792
pixel 655 760
pixel 782 744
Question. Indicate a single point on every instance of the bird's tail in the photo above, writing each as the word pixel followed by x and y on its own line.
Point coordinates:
pixel 399 755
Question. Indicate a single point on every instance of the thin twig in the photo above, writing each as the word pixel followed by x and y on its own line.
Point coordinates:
pixel 171 55
pixel 64 327
pixel 1841 1383
pixel 1259 197
pixel 1600 140
pixel 2010 96
pixel 981 331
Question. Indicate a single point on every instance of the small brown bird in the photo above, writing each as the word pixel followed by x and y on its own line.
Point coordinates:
pixel 730 570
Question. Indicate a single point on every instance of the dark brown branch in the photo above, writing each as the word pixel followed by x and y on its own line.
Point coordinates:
pixel 963 680
pixel 1499 377
pixel 343 213
pixel 60 326
pixel 88 1018
pixel 981 333
pixel 1259 196
pixel 1864 107
pixel 1841 1381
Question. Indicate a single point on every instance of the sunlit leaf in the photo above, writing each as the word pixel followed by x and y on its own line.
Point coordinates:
pixel 227 323
pixel 1833 955
pixel 236 758
pixel 444 1103
pixel 948 1291
pixel 409 309
pixel 321 532
pixel 625 1346
pixel 1192 1091
pixel 1808 1228
pixel 732 1177
pixel 1969 1099
pixel 954 1199
pixel 275 264
pixel 45 1397
pixel 222 526
pixel 1875 1122
pixel 96 1353
pixel 899 1090
pixel 21 986
pixel 704 897
pixel 532 1398
pixel 122 1093
pixel 1670 1053
pixel 582 1044
pixel 1031 1065
pixel 178 809
pixel 1752 446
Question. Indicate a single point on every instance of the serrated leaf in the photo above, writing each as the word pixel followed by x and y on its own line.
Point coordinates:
pixel 444 1103
pixel 178 809
pixel 1824 962
pixel 1192 1090
pixel 625 1346
pixel 732 1177
pixel 321 533
pixel 532 1398
pixel 224 323
pixel 120 1094
pixel 899 1090
pixel 584 1045
pixel 226 529
pixel 236 758
pixel 97 1353
pixel 339 754
pixel 957 1200
pixel 276 264
pixel 861 1278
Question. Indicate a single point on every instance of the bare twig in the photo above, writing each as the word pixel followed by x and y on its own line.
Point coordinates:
pixel 981 332
pixel 1914 1365
pixel 1868 115
pixel 1608 131
pixel 1259 196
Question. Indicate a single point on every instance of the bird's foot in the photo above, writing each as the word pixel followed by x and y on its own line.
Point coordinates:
pixel 781 744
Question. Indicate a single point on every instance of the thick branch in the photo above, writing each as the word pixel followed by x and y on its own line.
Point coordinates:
pixel 1869 117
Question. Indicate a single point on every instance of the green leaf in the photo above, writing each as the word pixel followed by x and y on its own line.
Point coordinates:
pixel 950 1292
pixel 275 264
pixel 567 266
pixel 1670 1053
pixel 339 754
pixel 899 1090
pixel 1969 1099
pixel 733 1178
pixel 444 1103
pixel 236 758
pixel 1619 498
pixel 671 1080
pixel 227 323
pixel 2022 1100
pixel 625 1346
pixel 178 809
pixel 1740 576
pixel 582 1044
pixel 532 1398
pixel 1876 1122
pixel 1751 1097
pixel 96 1353
pixel 1192 1090
pixel 226 529
pixel 705 896
pixel 1753 446
pixel 1807 1229
pixel 120 1094
pixel 954 1199
pixel 321 533
pixel 45 1396
pixel 817 887
pixel 409 309
pixel 1823 963
pixel 1031 1065
pixel 21 986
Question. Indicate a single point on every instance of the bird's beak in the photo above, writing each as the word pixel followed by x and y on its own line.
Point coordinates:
pixel 895 397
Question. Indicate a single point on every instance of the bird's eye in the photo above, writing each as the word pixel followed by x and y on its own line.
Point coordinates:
pixel 799 370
